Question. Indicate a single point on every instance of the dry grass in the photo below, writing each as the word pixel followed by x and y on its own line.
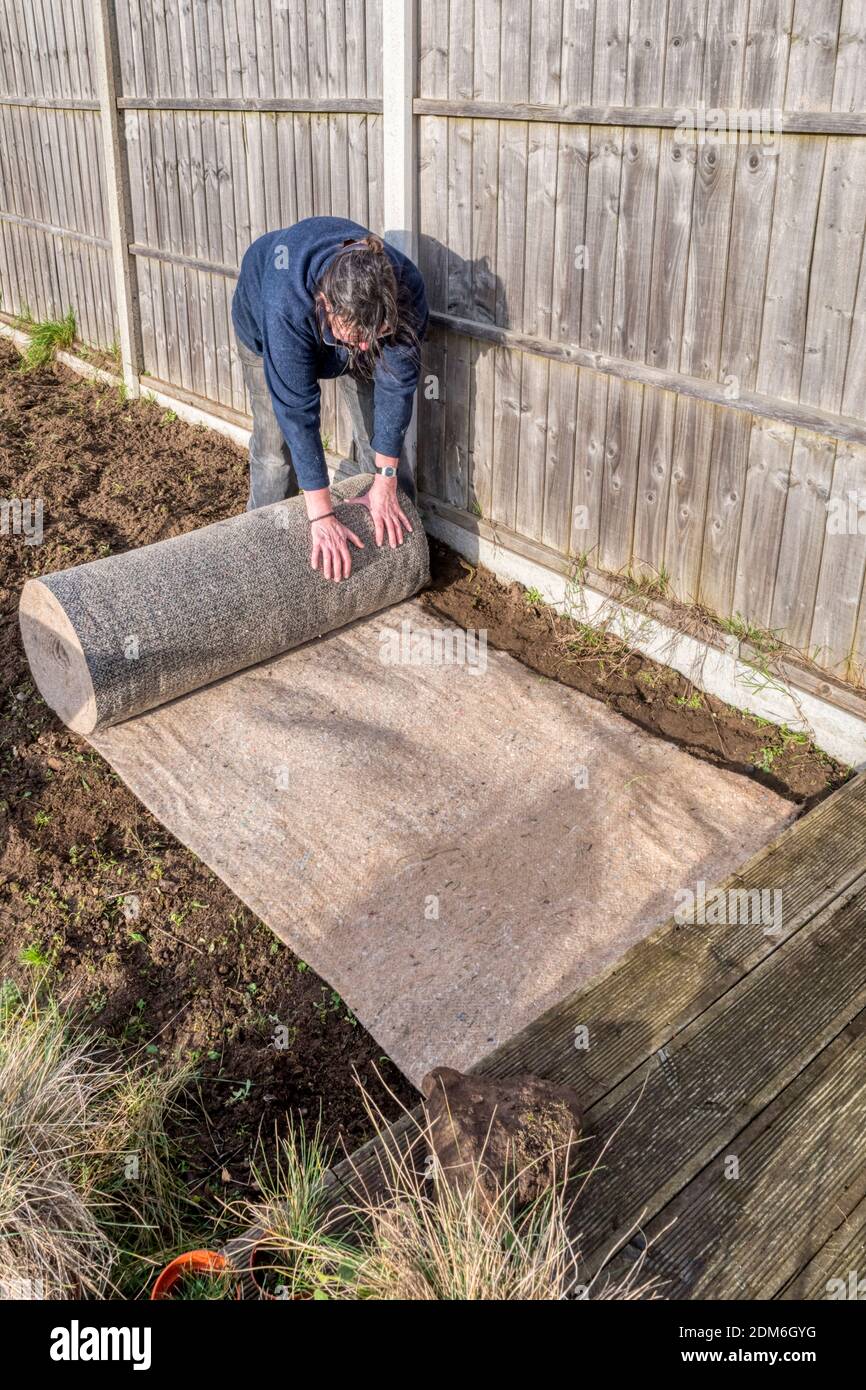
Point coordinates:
pixel 412 1237
pixel 84 1179
pixel 305 1257
pixel 431 1242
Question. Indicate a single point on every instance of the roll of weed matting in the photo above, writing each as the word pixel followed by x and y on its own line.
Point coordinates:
pixel 110 639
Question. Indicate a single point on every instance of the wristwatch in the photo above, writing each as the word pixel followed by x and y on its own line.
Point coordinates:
pixel 388 472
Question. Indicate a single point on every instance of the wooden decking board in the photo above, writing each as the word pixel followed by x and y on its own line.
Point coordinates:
pixel 724 1069
pixel 665 981
pixel 801 1165
pixel 843 1254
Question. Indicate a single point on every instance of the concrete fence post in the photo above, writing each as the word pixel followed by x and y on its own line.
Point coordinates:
pixel 398 141
pixel 117 191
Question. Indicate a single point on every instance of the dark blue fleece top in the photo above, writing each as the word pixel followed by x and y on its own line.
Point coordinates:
pixel 274 314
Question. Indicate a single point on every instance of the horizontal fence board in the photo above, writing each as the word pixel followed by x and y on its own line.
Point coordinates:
pixel 355 105
pixel 746 120
pixel 809 417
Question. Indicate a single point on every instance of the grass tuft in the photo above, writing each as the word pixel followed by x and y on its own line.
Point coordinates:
pixel 46 338
pixel 418 1238
pixel 85 1184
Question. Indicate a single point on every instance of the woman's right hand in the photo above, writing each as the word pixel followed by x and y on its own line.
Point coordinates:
pixel 330 551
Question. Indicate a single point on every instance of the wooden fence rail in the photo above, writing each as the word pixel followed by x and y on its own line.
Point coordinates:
pixel 641 227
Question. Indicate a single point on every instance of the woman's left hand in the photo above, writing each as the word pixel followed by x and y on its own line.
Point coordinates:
pixel 389 519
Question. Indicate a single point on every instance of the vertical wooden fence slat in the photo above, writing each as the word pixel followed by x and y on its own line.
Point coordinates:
pixel 433 241
pixel 24 192
pixel 767 482
pixel 849 87
pixel 834 636
pixel 510 260
pixel 812 59
pixel 834 274
pixel 803 535
pixel 798 190
pixel 702 333
pixel 537 315
pixel 628 339
pixel 765 72
pixel 725 53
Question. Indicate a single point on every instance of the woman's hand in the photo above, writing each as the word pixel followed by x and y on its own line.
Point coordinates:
pixel 330 551
pixel 389 519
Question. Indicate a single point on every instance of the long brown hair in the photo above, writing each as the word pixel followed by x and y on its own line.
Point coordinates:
pixel 358 285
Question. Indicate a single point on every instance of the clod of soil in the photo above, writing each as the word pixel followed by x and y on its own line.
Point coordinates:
pixel 517 1134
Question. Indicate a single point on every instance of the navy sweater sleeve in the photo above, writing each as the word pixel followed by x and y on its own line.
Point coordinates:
pixel 396 376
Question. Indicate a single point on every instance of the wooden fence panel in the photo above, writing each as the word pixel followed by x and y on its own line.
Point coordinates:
pixel 641 228
pixel 735 261
pixel 53 224
pixel 210 175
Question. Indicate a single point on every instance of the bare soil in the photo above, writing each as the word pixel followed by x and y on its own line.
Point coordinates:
pixel 194 976
pixel 653 696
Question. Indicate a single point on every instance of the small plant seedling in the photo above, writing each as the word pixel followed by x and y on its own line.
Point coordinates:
pixel 765 757
pixel 693 701
pixel 35 956
pixel 534 598
pixel 135 1024
pixel 203 1287
pixel 789 736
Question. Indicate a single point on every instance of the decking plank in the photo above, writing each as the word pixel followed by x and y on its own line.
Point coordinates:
pixel 839 1257
pixel 801 1169
pixel 683 1109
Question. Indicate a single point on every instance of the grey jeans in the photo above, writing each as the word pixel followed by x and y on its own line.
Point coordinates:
pixel 272 473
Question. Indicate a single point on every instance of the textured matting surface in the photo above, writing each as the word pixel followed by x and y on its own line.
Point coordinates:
pixel 110 639
pixel 452 850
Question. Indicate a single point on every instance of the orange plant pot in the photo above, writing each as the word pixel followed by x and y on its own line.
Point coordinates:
pixel 191 1262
